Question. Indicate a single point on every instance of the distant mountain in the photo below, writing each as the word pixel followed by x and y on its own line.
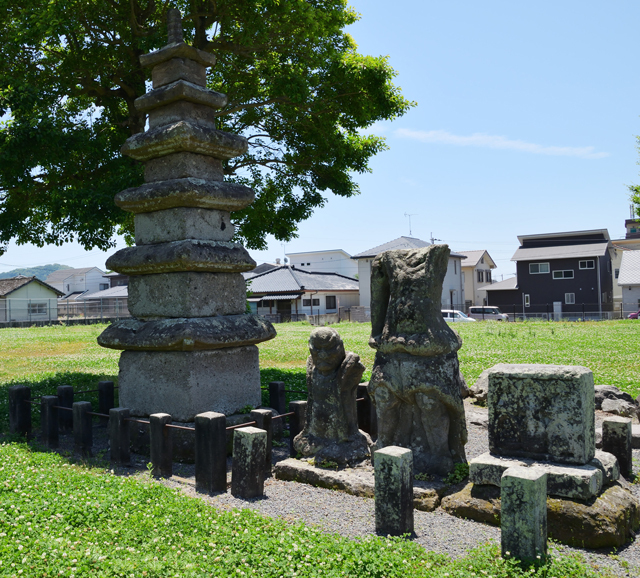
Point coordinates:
pixel 41 272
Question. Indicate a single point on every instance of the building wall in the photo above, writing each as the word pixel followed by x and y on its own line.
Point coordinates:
pixel 325 261
pixel 473 289
pixel 343 299
pixel 90 282
pixel 364 281
pixel 630 245
pixel 630 299
pixel 31 302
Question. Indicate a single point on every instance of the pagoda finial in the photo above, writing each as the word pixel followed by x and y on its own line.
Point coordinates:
pixel 174 26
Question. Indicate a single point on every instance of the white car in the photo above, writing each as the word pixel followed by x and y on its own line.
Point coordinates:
pixel 487 313
pixel 453 315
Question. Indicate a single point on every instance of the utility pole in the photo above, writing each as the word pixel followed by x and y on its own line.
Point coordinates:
pixel 410 215
pixel 433 239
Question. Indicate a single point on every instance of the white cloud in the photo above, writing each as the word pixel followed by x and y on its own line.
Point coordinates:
pixel 497 142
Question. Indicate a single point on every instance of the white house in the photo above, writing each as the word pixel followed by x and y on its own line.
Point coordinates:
pixel 330 261
pixel 476 271
pixel 453 295
pixel 73 282
pixel 629 281
pixel 631 242
pixel 295 293
pixel 27 299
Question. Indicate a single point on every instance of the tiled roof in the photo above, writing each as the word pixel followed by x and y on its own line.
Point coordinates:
pixel 566 252
pixel 285 279
pixel 506 285
pixel 10 285
pixel 399 243
pixel 629 268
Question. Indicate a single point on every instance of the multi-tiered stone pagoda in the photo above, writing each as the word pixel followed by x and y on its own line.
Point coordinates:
pixel 190 346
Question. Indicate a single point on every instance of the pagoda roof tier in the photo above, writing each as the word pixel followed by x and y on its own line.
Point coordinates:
pixel 177 91
pixel 177 50
pixel 187 192
pixel 180 256
pixel 184 136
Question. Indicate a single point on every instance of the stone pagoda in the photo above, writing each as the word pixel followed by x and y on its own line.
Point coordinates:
pixel 190 346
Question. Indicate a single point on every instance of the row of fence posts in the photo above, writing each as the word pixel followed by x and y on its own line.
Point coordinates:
pixel 252 446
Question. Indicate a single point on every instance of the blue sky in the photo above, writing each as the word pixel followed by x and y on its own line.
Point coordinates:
pixel 526 122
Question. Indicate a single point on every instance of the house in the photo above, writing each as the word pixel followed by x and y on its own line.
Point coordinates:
pixel 109 303
pixel 329 261
pixel 74 282
pixel 293 293
pixel 453 294
pixel 476 274
pixel 631 242
pixel 27 299
pixel 116 279
pixel 629 281
pixel 559 274
pixel 262 268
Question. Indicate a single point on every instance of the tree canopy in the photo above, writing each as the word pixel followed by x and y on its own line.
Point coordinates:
pixel 298 90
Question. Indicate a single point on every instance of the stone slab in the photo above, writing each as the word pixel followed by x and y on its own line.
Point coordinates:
pixel 184 136
pixel 608 521
pixel 183 165
pixel 178 69
pixel 543 412
pixel 179 256
pixel 182 110
pixel 186 383
pixel 355 481
pixel 177 50
pixel 185 192
pixel 186 294
pixel 180 90
pixel 187 334
pixel 183 223
pixel 579 482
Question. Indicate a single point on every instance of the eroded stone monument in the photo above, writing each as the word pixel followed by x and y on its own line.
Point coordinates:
pixel 331 430
pixel 415 381
pixel 190 347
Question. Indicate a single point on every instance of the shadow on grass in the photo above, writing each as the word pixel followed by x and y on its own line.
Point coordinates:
pixel 48 385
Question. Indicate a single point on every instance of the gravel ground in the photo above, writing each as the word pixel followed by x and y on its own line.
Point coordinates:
pixel 352 516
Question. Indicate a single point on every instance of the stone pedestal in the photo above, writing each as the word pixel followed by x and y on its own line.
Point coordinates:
pixel 190 347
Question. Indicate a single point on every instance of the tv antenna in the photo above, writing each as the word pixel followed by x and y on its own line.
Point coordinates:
pixel 410 215
pixel 433 239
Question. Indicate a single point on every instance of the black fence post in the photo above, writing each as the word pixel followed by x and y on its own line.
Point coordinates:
pixel 20 410
pixel 583 314
pixel 211 452
pixel 106 399
pixel 277 396
pixel 49 420
pixel 65 399
pixel 161 445
pixel 119 435
pixel 263 418
pixel 296 421
pixel 82 430
pixel 367 418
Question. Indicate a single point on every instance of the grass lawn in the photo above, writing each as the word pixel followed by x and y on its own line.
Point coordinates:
pixel 59 519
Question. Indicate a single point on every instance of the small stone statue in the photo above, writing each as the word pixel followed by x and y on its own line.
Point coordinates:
pixel 415 382
pixel 331 431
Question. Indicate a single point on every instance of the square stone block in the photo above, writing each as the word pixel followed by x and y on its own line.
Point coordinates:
pixel 182 165
pixel 183 223
pixel 543 412
pixel 565 481
pixel 187 294
pixel 182 110
pixel 178 69
pixel 186 383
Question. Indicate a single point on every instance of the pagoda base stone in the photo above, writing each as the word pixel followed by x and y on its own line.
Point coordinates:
pixel 187 294
pixel 186 383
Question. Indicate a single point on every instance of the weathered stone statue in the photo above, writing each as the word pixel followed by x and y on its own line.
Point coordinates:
pixel 331 432
pixel 415 381
pixel 189 347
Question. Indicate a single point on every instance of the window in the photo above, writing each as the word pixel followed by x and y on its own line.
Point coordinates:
pixel 306 302
pixel 588 264
pixel 267 304
pixel 308 264
pixel 567 274
pixel 316 302
pixel 570 298
pixel 527 300
pixel 616 273
pixel 536 268
pixel 301 264
pixel 331 301
pixel 487 276
pixel 104 286
pixel 480 276
pixel 37 308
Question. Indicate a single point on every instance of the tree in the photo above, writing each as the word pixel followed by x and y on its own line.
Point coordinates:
pixel 297 88
pixel 635 198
